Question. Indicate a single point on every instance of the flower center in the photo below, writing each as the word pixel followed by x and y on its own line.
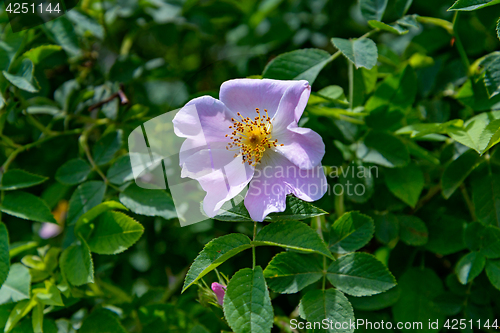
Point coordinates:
pixel 251 137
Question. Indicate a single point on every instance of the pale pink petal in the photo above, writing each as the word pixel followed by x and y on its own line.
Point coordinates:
pixel 219 291
pixel 219 173
pixel 274 178
pixel 292 105
pixel 245 95
pixel 302 146
pixel 202 121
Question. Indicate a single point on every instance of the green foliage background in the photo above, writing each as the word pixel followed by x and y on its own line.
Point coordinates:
pixel 412 101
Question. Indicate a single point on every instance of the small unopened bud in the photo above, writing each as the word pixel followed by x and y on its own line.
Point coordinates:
pixel 49 230
pixel 219 291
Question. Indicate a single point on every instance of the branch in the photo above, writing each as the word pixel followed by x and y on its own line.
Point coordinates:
pixel 120 94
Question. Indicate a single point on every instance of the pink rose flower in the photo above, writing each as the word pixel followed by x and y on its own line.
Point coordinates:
pixel 251 137
pixel 219 291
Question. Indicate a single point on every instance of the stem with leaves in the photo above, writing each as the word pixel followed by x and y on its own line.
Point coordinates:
pixel 84 144
pixel 253 244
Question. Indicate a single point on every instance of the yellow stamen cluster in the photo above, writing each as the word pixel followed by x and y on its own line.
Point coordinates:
pixel 251 137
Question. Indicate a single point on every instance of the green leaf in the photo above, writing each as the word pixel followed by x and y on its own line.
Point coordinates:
pixel 106 147
pixel 486 198
pixel 412 230
pixel 457 171
pixel 373 9
pixel 17 248
pixel 77 265
pixel 483 238
pixel 359 177
pixel 418 287
pixel 215 253
pixel 361 52
pixel 400 27
pixel 296 209
pixel 41 52
pixel 85 24
pixel 24 78
pixel 476 133
pixel 360 274
pixel 114 232
pixel 247 305
pixel 148 202
pixel 62 32
pixel 406 183
pixel 37 318
pixel 19 312
pixel 490 136
pixel 96 211
pixel 384 149
pixel 387 228
pixel 102 320
pixel 26 206
pixel 376 302
pixel 50 295
pixel 304 64
pixel 17 178
pixel 493 272
pixel 446 234
pixel 351 232
pixel 85 197
pixel 393 28
pixel 4 253
pixel 121 171
pixel 468 5
pixel 396 92
pixel 73 172
pixel 489 241
pixel 330 304
pixel 424 129
pixel 290 272
pixel 469 267
pixel 234 213
pixel 292 235
pixel 17 285
pixel 498 28
pixel 491 68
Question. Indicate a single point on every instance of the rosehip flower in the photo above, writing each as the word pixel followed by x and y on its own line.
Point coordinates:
pixel 251 137
pixel 219 291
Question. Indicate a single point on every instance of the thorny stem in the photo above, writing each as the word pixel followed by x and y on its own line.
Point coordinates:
pixel 171 290
pixel 468 201
pixel 339 205
pixel 119 94
pixel 427 197
pixel 460 46
pixel 38 125
pixel 21 149
pixel 85 146
pixel 351 84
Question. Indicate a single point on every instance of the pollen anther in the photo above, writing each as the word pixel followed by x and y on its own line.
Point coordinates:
pixel 252 137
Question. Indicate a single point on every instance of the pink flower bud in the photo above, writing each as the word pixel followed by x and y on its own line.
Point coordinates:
pixel 219 291
pixel 49 230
